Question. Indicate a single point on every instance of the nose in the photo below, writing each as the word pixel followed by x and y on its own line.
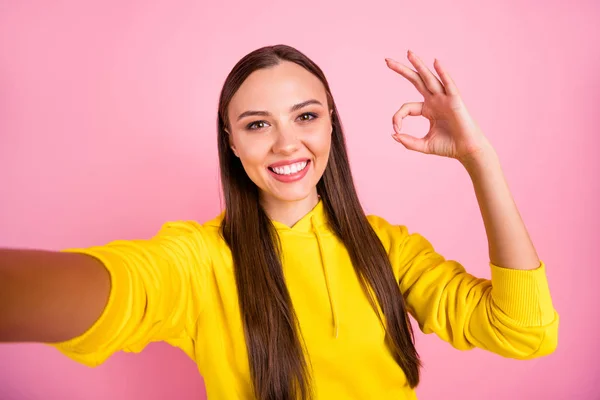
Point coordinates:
pixel 286 141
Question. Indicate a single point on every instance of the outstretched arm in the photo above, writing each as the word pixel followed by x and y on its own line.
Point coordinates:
pixel 49 296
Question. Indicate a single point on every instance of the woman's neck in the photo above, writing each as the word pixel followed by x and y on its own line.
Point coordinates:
pixel 289 212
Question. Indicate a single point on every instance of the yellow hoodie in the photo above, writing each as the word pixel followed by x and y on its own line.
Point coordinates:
pixel 179 287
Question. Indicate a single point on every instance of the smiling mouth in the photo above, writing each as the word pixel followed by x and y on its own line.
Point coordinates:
pixel 290 169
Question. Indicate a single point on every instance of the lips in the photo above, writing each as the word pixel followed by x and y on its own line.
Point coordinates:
pixel 289 171
pixel 288 162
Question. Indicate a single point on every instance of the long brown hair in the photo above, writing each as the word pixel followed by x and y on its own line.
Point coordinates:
pixel 277 364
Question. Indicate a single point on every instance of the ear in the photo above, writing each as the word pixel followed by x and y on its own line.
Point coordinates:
pixel 231 145
pixel 331 119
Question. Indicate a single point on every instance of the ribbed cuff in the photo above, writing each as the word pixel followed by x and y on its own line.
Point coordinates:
pixel 523 295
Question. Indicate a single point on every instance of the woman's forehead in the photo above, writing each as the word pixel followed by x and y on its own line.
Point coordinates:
pixel 277 89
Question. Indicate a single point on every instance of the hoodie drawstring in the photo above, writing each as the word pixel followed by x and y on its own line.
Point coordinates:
pixel 326 274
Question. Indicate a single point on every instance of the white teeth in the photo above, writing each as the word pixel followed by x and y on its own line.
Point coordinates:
pixel 290 169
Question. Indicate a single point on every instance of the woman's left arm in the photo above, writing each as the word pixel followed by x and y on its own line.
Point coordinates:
pixel 512 314
pixel 454 134
pixel 509 243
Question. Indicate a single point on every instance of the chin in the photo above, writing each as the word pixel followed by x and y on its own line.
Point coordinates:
pixel 292 194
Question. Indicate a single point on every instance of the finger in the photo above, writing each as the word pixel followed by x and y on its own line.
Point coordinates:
pixel 431 81
pixel 449 84
pixel 413 109
pixel 411 142
pixel 412 76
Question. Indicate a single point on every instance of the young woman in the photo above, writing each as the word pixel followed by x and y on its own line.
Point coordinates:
pixel 292 292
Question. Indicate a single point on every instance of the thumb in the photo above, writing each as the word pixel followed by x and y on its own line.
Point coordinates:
pixel 410 142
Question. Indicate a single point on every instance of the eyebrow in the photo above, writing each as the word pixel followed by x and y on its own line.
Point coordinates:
pixel 295 107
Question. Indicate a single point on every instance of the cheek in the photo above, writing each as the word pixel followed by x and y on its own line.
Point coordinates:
pixel 319 144
pixel 253 151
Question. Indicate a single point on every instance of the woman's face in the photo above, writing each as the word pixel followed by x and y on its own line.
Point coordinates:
pixel 281 131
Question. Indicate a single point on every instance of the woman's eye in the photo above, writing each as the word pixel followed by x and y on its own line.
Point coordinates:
pixel 256 125
pixel 307 116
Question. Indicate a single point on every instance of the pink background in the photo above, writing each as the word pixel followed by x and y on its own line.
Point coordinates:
pixel 107 130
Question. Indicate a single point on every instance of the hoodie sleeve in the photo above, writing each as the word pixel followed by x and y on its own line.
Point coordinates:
pixel 511 315
pixel 156 294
